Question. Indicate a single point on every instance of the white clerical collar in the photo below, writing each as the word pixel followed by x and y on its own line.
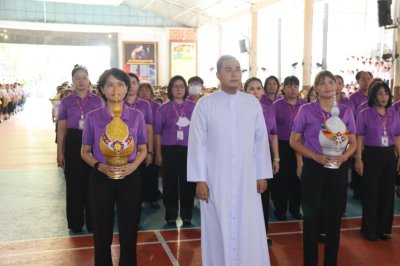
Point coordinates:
pixel 228 95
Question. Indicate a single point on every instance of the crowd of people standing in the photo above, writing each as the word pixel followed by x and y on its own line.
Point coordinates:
pixel 12 100
pixel 298 183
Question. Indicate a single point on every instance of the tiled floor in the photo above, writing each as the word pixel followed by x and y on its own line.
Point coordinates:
pixel 33 227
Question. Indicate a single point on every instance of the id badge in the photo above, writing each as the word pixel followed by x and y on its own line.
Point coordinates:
pixel 81 123
pixel 385 141
pixel 179 134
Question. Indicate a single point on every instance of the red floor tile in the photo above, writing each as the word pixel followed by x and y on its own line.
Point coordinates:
pixel 187 253
pixel 152 255
pixel 146 237
pixel 181 234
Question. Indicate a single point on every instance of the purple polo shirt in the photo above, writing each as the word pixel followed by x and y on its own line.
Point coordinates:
pixel 144 107
pixel 349 103
pixel 396 106
pixel 310 118
pixel 267 101
pixel 270 121
pixel 70 108
pixel 166 118
pixel 154 106
pixel 361 107
pixel 370 125
pixel 357 99
pixel 285 114
pixel 96 122
pixel 190 98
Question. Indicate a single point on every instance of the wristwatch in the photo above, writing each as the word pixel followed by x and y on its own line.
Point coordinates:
pixel 96 165
pixel 151 153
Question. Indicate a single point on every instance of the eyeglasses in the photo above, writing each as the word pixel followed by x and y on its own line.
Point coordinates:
pixel 179 86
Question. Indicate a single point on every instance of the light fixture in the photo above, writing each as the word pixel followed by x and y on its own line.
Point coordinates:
pixel 86 2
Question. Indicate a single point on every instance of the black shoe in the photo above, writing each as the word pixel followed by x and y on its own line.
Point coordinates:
pixel 297 215
pixel 155 205
pixel 187 223
pixel 269 241
pixel 281 217
pixel 321 238
pixel 385 237
pixel 171 223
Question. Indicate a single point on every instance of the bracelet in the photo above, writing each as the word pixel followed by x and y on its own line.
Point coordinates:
pixel 277 159
pixel 151 153
pixel 96 165
pixel 357 157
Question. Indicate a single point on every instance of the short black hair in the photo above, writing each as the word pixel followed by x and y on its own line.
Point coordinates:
pixel 246 84
pixel 196 79
pixel 118 74
pixel 291 80
pixel 171 84
pixel 359 73
pixel 271 78
pixel 373 89
pixel 222 59
pixel 132 75
pixel 77 68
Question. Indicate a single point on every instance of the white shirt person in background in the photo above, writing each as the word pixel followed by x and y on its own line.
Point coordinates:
pixel 228 157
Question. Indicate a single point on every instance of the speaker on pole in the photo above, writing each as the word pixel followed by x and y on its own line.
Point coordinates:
pixel 384 16
pixel 242 46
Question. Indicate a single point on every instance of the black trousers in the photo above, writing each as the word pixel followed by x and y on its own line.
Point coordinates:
pixel 77 179
pixel 149 176
pixel 265 205
pixel 175 185
pixel 104 194
pixel 378 185
pixel 265 201
pixel 324 193
pixel 355 183
pixel 286 186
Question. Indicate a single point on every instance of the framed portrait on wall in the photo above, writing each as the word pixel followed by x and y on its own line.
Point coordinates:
pixel 140 58
pixel 183 59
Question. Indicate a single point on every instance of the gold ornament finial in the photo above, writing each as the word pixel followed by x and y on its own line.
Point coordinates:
pixel 117 110
pixel 116 141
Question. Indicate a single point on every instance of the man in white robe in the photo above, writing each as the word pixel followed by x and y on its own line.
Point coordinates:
pixel 229 158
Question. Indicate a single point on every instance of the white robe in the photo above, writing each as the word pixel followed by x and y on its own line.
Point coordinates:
pixel 228 149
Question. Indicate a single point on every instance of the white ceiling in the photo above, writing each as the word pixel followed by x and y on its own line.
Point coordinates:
pixel 193 13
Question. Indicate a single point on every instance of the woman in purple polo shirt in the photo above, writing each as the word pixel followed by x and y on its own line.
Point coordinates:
pixel 254 86
pixel 324 189
pixel 71 114
pixel 378 140
pixel 133 101
pixel 396 106
pixel 171 134
pixel 358 98
pixel 286 186
pixel 339 97
pixel 271 89
pixel 150 173
pixel 105 192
